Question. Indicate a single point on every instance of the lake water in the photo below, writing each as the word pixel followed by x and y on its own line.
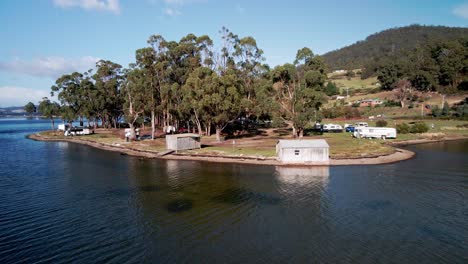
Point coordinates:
pixel 67 203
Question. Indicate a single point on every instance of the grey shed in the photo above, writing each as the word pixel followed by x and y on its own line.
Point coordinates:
pixel 313 151
pixel 183 142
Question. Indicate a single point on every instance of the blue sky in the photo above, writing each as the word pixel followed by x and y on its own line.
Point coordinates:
pixel 43 39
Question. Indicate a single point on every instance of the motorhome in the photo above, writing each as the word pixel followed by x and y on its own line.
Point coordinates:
pixel 375 132
pixel 63 127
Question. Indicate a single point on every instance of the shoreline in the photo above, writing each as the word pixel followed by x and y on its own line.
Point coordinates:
pixel 398 155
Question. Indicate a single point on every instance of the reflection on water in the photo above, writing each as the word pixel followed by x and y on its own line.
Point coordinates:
pixel 64 202
pixel 303 175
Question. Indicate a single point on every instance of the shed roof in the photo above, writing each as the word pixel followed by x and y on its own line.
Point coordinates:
pixel 303 143
pixel 186 135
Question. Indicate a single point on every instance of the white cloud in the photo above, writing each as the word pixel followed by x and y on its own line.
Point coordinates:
pixel 461 11
pixel 52 67
pixel 102 5
pixel 19 96
pixel 172 12
pixel 172 7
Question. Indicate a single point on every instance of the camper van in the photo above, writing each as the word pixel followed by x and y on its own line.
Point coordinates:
pixel 374 132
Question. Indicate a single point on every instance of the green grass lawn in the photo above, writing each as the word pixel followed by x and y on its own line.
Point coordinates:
pixel 342 145
pixel 355 83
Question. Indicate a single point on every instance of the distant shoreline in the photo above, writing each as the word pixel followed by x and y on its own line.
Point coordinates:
pixel 398 155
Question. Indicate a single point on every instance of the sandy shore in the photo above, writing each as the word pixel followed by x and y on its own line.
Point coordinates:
pixel 398 155
pixel 423 141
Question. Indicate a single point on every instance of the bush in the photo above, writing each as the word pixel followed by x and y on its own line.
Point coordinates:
pixel 381 123
pixel 419 128
pixel 403 128
pixel 392 103
pixel 331 89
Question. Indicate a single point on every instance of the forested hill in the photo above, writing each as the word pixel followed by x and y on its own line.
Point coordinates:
pixel 389 42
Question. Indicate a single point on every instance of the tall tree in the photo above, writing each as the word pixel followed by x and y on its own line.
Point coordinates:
pixel 49 109
pixel 68 87
pixel 30 108
pixel 223 100
pixel 107 102
pixel 404 91
pixel 298 89
pixel 194 92
pixel 145 59
pixel 134 94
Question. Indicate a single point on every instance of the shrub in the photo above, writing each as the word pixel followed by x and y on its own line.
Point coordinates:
pixel 392 103
pixel 403 128
pixel 381 123
pixel 419 128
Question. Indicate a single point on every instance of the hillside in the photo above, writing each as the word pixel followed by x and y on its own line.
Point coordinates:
pixel 389 42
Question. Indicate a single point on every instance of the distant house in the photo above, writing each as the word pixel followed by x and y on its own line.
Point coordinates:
pixel 312 151
pixel 340 97
pixel 183 142
pixel 339 71
pixel 370 102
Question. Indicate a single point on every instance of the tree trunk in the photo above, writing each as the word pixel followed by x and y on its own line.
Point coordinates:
pixel 153 128
pixel 301 133
pixel 132 131
pixel 218 133
pixel 294 131
pixel 197 121
pixel 52 119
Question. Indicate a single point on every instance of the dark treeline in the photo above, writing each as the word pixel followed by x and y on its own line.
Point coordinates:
pixel 410 59
pixel 390 42
pixel 435 66
pixel 174 83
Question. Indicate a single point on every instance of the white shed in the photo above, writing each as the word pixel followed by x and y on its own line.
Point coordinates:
pixel 183 141
pixel 313 151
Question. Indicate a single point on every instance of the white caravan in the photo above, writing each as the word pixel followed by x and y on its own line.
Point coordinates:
pixel 375 132
pixel 361 124
pixel 332 128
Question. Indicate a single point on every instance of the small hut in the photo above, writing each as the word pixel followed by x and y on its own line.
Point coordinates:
pixel 183 141
pixel 313 151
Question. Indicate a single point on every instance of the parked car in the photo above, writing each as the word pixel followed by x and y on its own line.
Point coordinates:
pixel 183 130
pixel 349 129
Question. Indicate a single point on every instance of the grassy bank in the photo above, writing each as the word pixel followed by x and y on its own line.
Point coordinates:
pixel 263 145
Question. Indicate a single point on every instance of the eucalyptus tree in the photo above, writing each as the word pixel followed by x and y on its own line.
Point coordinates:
pixel 30 108
pixel 69 93
pixel 105 97
pixel 145 60
pixel 299 89
pixel 49 109
pixel 133 91
pixel 222 100
pixel 190 53
pixel 90 98
pixel 225 58
pixel 194 92
pixel 249 63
